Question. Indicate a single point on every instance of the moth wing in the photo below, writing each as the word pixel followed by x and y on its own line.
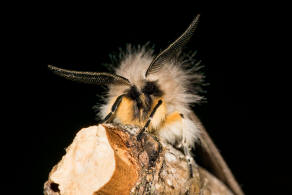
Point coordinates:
pixel 211 158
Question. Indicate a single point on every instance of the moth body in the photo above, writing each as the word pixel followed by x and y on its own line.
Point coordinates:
pixel 155 93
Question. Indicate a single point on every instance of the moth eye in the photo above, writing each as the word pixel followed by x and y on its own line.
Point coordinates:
pixel 148 88
pixel 151 88
pixel 133 92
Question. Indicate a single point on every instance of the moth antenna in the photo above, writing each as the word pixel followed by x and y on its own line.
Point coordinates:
pixel 90 77
pixel 173 49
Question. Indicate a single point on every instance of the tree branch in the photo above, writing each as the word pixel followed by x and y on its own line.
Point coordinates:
pixel 108 159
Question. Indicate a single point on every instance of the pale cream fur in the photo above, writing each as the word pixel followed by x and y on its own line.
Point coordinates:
pixel 173 79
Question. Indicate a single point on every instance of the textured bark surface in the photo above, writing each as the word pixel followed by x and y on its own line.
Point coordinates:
pixel 108 159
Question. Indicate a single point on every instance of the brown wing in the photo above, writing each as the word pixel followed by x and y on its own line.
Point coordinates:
pixel 90 77
pixel 215 161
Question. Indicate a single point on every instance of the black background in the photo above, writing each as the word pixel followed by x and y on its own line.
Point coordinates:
pixel 247 106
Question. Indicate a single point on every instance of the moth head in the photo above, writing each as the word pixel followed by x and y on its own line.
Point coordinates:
pixel 148 90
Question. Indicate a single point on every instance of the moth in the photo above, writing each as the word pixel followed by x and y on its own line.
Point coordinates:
pixel 155 93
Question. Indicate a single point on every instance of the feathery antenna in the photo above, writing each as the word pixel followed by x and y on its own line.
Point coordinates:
pixel 173 49
pixel 90 77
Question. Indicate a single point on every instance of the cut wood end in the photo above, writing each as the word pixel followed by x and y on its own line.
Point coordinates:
pixel 88 164
pixel 106 159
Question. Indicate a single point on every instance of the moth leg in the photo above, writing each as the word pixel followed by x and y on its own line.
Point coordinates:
pixel 139 136
pixel 178 131
pixel 114 108
pixel 186 149
pixel 189 158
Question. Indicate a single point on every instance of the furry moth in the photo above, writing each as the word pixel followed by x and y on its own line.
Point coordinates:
pixel 155 94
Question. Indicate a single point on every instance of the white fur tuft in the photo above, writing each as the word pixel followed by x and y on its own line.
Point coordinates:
pixel 177 82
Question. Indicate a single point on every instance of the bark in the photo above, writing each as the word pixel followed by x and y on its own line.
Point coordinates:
pixel 108 159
